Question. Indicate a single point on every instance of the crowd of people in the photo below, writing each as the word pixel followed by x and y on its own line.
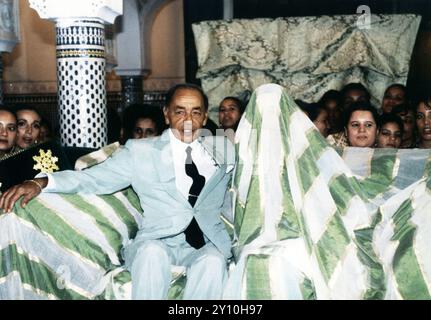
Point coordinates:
pixel 23 126
pixel 348 118
pixel 344 118
pixel 143 120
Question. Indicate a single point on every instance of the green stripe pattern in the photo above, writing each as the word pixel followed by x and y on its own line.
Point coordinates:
pixel 65 247
pixel 346 230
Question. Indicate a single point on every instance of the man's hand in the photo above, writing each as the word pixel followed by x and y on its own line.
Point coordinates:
pixel 29 189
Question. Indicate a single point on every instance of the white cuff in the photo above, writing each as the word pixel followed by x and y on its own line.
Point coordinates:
pixel 51 183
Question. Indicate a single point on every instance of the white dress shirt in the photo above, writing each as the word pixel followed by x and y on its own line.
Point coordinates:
pixel 204 162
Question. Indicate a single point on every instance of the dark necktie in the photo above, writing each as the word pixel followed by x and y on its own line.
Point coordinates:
pixel 194 234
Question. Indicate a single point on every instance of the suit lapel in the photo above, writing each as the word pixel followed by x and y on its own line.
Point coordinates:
pixel 218 157
pixel 212 183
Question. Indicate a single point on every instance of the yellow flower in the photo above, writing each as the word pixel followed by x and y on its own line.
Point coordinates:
pixel 45 162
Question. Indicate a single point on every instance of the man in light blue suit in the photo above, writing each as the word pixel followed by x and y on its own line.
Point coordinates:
pixel 181 179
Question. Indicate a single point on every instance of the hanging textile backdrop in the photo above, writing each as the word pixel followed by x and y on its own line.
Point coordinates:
pixel 306 55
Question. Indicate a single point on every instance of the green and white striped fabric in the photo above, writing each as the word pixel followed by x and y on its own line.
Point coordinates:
pixel 65 246
pixel 97 156
pixel 311 224
pixel 69 247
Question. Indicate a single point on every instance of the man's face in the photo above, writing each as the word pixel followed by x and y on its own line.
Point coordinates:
pixel 229 114
pixel 186 114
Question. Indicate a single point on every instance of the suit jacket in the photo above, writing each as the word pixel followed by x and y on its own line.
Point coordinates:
pixel 147 165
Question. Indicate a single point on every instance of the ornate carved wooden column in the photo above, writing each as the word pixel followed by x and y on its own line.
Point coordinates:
pixel 81 66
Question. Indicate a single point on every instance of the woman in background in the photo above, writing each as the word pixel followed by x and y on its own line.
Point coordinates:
pixel 7 131
pixel 352 93
pixel 28 126
pixel 331 102
pixel 394 95
pixel 45 132
pixel 142 121
pixel 391 131
pixel 318 115
pixel 423 122
pixel 361 125
pixel 408 116
pixel 230 112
